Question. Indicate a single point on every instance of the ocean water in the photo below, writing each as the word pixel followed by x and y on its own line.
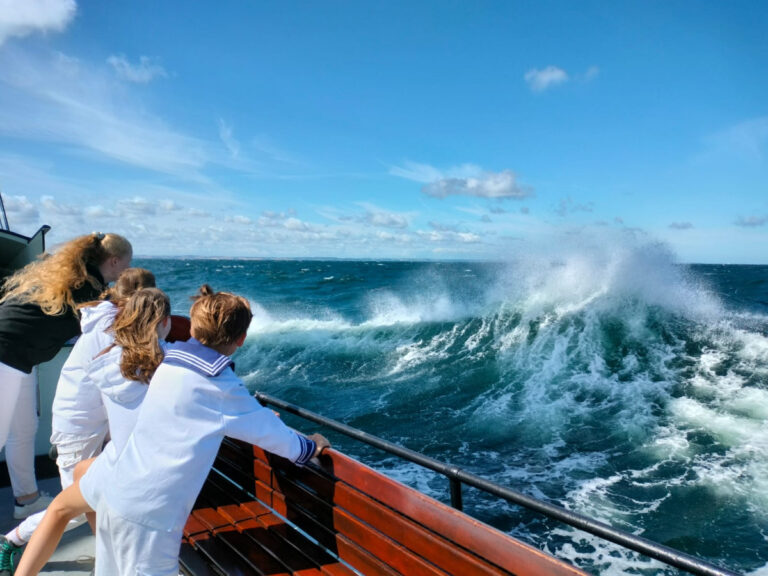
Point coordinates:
pixel 609 380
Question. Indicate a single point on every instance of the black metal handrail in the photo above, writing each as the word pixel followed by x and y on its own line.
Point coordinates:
pixel 457 477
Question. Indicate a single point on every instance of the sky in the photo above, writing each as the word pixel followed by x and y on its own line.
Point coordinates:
pixel 387 129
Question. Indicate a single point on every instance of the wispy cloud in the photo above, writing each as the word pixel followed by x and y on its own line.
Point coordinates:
pixel 549 77
pixel 426 173
pixel 59 99
pixel 751 221
pixel 681 225
pixel 143 72
pixel 21 18
pixel 227 137
pixel 748 139
pixel 591 73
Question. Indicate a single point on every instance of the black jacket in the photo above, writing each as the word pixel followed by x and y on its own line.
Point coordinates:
pixel 29 336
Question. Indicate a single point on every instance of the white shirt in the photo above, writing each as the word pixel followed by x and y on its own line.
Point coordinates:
pixel 121 397
pixel 77 406
pixel 184 417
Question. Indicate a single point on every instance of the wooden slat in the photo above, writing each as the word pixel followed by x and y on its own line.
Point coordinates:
pixel 444 554
pixel 310 505
pixel 499 548
pixel 360 559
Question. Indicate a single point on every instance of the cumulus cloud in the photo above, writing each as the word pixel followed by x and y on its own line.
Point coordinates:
pixel 375 216
pixel 23 17
pixel 137 206
pixel 49 204
pixel 549 77
pixel 146 70
pixel 284 220
pixel 20 208
pixel 500 185
pixel 440 236
pixel 681 225
pixel 751 221
pixel 386 219
pixel 99 212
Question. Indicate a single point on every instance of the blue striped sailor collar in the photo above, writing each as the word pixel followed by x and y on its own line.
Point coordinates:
pixel 197 357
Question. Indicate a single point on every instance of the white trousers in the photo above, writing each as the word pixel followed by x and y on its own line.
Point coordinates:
pixel 18 426
pixel 124 548
pixel 71 449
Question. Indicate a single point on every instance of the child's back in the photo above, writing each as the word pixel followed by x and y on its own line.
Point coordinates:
pixel 193 401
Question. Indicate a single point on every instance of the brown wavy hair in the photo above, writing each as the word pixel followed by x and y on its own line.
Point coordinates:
pixel 135 330
pixel 50 280
pixel 219 318
pixel 130 280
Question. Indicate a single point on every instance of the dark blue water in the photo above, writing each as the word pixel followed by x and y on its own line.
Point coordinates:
pixel 617 384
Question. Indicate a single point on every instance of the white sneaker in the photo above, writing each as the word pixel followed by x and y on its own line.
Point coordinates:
pixel 21 511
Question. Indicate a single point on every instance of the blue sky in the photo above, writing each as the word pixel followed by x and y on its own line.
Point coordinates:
pixel 387 129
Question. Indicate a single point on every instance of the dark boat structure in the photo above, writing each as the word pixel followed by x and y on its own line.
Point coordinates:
pixel 259 514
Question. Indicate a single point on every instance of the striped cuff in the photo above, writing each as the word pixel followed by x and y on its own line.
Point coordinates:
pixel 308 448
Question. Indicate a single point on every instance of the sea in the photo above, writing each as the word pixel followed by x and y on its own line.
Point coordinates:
pixel 610 380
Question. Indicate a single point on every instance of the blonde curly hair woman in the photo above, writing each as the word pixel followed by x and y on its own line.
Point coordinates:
pixel 38 314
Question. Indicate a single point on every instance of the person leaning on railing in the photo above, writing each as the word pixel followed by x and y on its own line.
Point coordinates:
pixel 38 314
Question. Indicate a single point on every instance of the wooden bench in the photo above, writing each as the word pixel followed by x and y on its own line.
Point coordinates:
pixel 260 514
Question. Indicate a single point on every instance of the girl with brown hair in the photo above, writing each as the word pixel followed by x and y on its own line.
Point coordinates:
pixel 38 314
pixel 79 417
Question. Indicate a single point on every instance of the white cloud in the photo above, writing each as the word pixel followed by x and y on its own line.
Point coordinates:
pixel 144 72
pixel 748 139
pixel 489 185
pixel 448 236
pixel 549 77
pixel 137 206
pixel 23 17
pixel 20 208
pixel 591 73
pixel 61 100
pixel 99 212
pixel 50 205
pixel 426 173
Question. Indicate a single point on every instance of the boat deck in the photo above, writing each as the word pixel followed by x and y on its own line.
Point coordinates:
pixel 74 556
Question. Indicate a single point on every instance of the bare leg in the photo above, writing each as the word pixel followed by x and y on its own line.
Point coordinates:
pixel 65 506
pixel 80 469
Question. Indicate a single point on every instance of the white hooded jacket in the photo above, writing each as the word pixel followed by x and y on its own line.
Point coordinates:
pixel 121 397
pixel 77 406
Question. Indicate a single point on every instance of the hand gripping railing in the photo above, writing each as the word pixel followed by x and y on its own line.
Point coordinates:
pixel 457 477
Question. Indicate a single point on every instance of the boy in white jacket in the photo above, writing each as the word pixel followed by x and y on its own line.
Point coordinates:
pixel 143 498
